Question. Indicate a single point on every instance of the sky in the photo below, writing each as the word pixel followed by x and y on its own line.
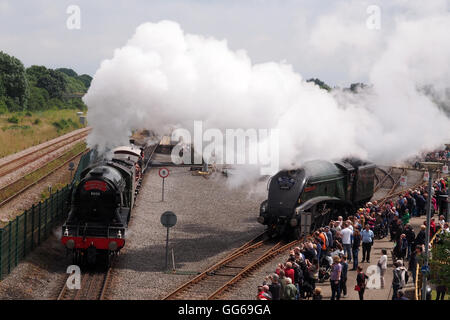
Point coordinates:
pixel 318 38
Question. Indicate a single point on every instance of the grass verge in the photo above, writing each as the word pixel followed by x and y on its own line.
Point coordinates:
pixel 21 130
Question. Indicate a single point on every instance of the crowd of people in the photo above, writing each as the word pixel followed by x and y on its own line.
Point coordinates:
pixel 328 253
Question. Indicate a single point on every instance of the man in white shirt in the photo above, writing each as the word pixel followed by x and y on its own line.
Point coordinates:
pixel 347 241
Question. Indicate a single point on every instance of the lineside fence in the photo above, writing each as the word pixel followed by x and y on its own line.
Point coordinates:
pixel 29 229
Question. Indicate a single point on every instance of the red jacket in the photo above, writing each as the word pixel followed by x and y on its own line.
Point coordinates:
pixel 289 273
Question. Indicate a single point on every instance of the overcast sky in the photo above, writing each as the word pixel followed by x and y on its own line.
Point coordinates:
pixel 319 38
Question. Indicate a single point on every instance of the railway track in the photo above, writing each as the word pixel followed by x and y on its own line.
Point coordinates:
pixel 395 183
pixel 10 195
pixel 93 286
pixel 6 167
pixel 208 283
pixel 387 174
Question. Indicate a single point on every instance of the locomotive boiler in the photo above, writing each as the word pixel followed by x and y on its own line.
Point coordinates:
pixel 320 189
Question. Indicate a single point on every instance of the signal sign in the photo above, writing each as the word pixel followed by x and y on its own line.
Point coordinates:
pixel 163 172
pixel 403 181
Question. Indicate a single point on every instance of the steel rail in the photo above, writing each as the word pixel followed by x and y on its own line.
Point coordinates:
pixel 93 286
pixel 246 247
pixel 252 266
pixel 33 155
pixel 40 179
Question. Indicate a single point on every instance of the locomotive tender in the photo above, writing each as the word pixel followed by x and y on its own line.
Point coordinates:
pixel 325 190
pixel 101 206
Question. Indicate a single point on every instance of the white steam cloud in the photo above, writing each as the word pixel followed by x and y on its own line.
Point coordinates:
pixel 164 78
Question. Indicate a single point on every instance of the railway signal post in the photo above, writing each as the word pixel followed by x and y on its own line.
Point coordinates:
pixel 163 173
pixel 71 168
pixel 431 167
pixel 168 220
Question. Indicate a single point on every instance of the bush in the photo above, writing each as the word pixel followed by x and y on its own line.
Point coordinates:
pixel 13 105
pixel 3 107
pixel 28 114
pixel 58 125
pixel 13 119
pixel 37 121
pixel 38 99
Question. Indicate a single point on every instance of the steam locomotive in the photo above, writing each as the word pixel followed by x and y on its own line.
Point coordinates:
pixel 314 195
pixel 101 206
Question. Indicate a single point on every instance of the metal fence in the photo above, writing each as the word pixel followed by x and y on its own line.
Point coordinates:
pixel 21 235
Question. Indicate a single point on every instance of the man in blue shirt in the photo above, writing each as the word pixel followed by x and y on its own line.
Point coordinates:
pixel 367 241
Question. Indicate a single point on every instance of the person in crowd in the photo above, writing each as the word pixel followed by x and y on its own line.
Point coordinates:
pixel 410 237
pixel 413 260
pixel 440 292
pixel 290 291
pixel 398 281
pixel 445 229
pixel 335 278
pixel 329 235
pixel 283 282
pixel 355 248
pixel 382 265
pixel 404 246
pixel 406 216
pixel 401 247
pixel 343 282
pixel 313 269
pixel 421 236
pixel 367 241
pixel 338 251
pixel 275 287
pixel 347 234
pixel 263 293
pixel 317 295
pixel 401 295
pixel 340 221
pixel 361 281
pixel 289 272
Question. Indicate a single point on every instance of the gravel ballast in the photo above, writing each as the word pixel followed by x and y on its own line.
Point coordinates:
pixel 213 220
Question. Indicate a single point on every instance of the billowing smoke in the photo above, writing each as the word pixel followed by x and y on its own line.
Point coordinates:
pixel 164 78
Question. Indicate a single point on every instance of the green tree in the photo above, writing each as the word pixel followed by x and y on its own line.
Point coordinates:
pixel 34 73
pixel 38 99
pixel 320 83
pixel 14 81
pixel 86 79
pixel 355 87
pixel 67 71
pixel 440 262
pixel 3 107
pixel 54 82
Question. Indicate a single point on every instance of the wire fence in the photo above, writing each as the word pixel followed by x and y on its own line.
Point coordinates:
pixel 29 229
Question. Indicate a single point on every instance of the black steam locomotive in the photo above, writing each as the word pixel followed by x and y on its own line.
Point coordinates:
pixel 101 206
pixel 315 194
